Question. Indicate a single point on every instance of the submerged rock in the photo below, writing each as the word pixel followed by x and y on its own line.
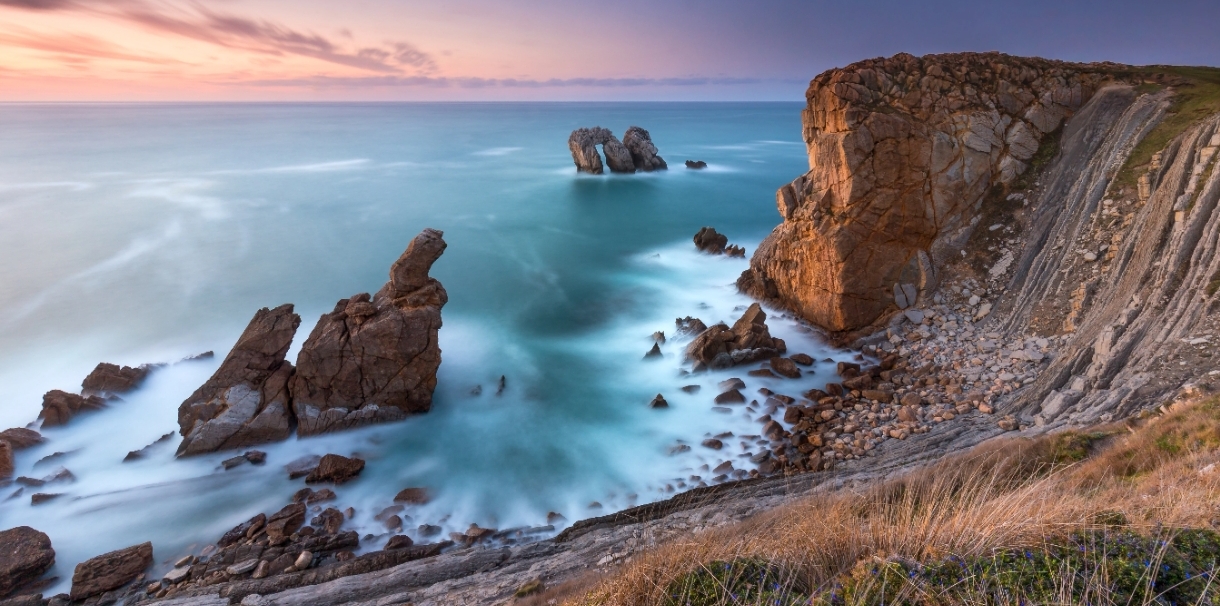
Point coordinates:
pixel 246 401
pixel 374 359
pixel 110 571
pixel 696 164
pixel 658 402
pixel 25 555
pixel 643 152
pixel 336 469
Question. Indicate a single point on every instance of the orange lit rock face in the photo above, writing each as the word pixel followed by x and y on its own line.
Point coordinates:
pixel 902 152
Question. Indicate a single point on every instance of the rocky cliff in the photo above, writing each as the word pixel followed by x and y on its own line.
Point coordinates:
pixel 902 152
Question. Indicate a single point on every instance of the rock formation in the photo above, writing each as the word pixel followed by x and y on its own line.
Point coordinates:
pixel 20 438
pixel 6 460
pixel 643 152
pixel 25 554
pixel 635 152
pixel 696 164
pixel 902 152
pixel 748 340
pixel 108 379
pixel 375 359
pixel 110 571
pixel 58 407
pixel 246 401
pixel 335 469
pixel 710 241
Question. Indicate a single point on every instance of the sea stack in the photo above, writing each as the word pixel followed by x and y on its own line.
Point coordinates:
pixel 246 401
pixel 635 152
pixel 374 358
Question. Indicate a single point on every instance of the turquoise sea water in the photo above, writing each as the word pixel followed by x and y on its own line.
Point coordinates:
pixel 148 233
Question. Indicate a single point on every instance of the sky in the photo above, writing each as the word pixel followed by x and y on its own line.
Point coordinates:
pixel 502 50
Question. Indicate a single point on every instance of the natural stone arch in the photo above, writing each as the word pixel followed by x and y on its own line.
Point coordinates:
pixel 635 152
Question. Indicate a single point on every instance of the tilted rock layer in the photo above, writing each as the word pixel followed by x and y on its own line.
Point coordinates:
pixel 246 401
pixel 902 152
pixel 375 358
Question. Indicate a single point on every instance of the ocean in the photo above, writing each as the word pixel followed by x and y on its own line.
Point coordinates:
pixel 148 233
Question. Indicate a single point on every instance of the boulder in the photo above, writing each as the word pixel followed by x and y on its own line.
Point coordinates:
pixel 583 144
pixel 696 164
pixel 802 359
pixel 110 571
pixel 336 469
pixel 709 240
pixel 374 359
pixel 58 407
pixel 20 438
pixel 299 468
pixel 246 401
pixel 643 153
pixel 785 367
pixel 413 496
pixel 25 554
pixel 749 340
pixel 902 153
pixel 283 523
pixel 109 378
pixel 400 541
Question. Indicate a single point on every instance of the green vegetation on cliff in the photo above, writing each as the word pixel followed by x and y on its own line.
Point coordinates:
pixel 1196 96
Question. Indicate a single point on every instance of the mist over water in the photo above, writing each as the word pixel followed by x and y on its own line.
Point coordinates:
pixel 149 233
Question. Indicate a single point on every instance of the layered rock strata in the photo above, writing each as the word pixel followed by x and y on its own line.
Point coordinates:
pixel 374 359
pixel 246 401
pixel 635 152
pixel 902 152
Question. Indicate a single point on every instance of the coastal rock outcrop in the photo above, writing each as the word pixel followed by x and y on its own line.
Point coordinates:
pixel 635 152
pixel 58 407
pixel 246 401
pixel 643 152
pixel 374 359
pixel 6 460
pixel 749 340
pixel 25 554
pixel 108 379
pixel 110 571
pixel 903 152
pixel 710 241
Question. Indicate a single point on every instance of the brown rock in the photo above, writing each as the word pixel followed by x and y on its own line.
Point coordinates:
pixel 246 401
pixel 643 152
pixel 336 469
pixel 58 407
pixel 303 466
pixel 907 414
pixel 583 144
pixel 375 359
pixel 748 340
pixel 910 398
pixel 713 443
pixel 20 438
pixel 399 541
pixel 413 496
pixel 785 367
pixel 802 359
pixel 773 430
pixel 709 240
pixel 114 379
pixel 330 520
pixel 689 326
pixel 25 554
pixel 658 402
pixel 902 150
pixel 732 396
pixel 284 522
pixel 6 460
pixel 110 571
pixel 242 531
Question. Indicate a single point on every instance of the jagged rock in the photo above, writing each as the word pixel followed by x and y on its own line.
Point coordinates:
pixel 902 150
pixel 748 340
pixel 654 353
pixel 583 143
pixel 337 469
pixel 58 407
pixel 696 164
pixel 375 359
pixel 689 326
pixel 113 379
pixel 710 241
pixel 284 522
pixel 733 250
pixel 658 402
pixel 110 571
pixel 25 554
pixel 246 401
pixel 643 153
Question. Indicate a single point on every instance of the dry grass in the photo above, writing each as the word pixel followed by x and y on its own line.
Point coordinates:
pixel 1009 495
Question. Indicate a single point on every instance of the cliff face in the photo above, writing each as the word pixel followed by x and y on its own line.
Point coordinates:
pixel 902 152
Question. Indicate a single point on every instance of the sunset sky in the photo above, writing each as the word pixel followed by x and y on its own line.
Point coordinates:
pixel 181 50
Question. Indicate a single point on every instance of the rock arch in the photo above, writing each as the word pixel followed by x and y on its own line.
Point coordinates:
pixel 635 152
